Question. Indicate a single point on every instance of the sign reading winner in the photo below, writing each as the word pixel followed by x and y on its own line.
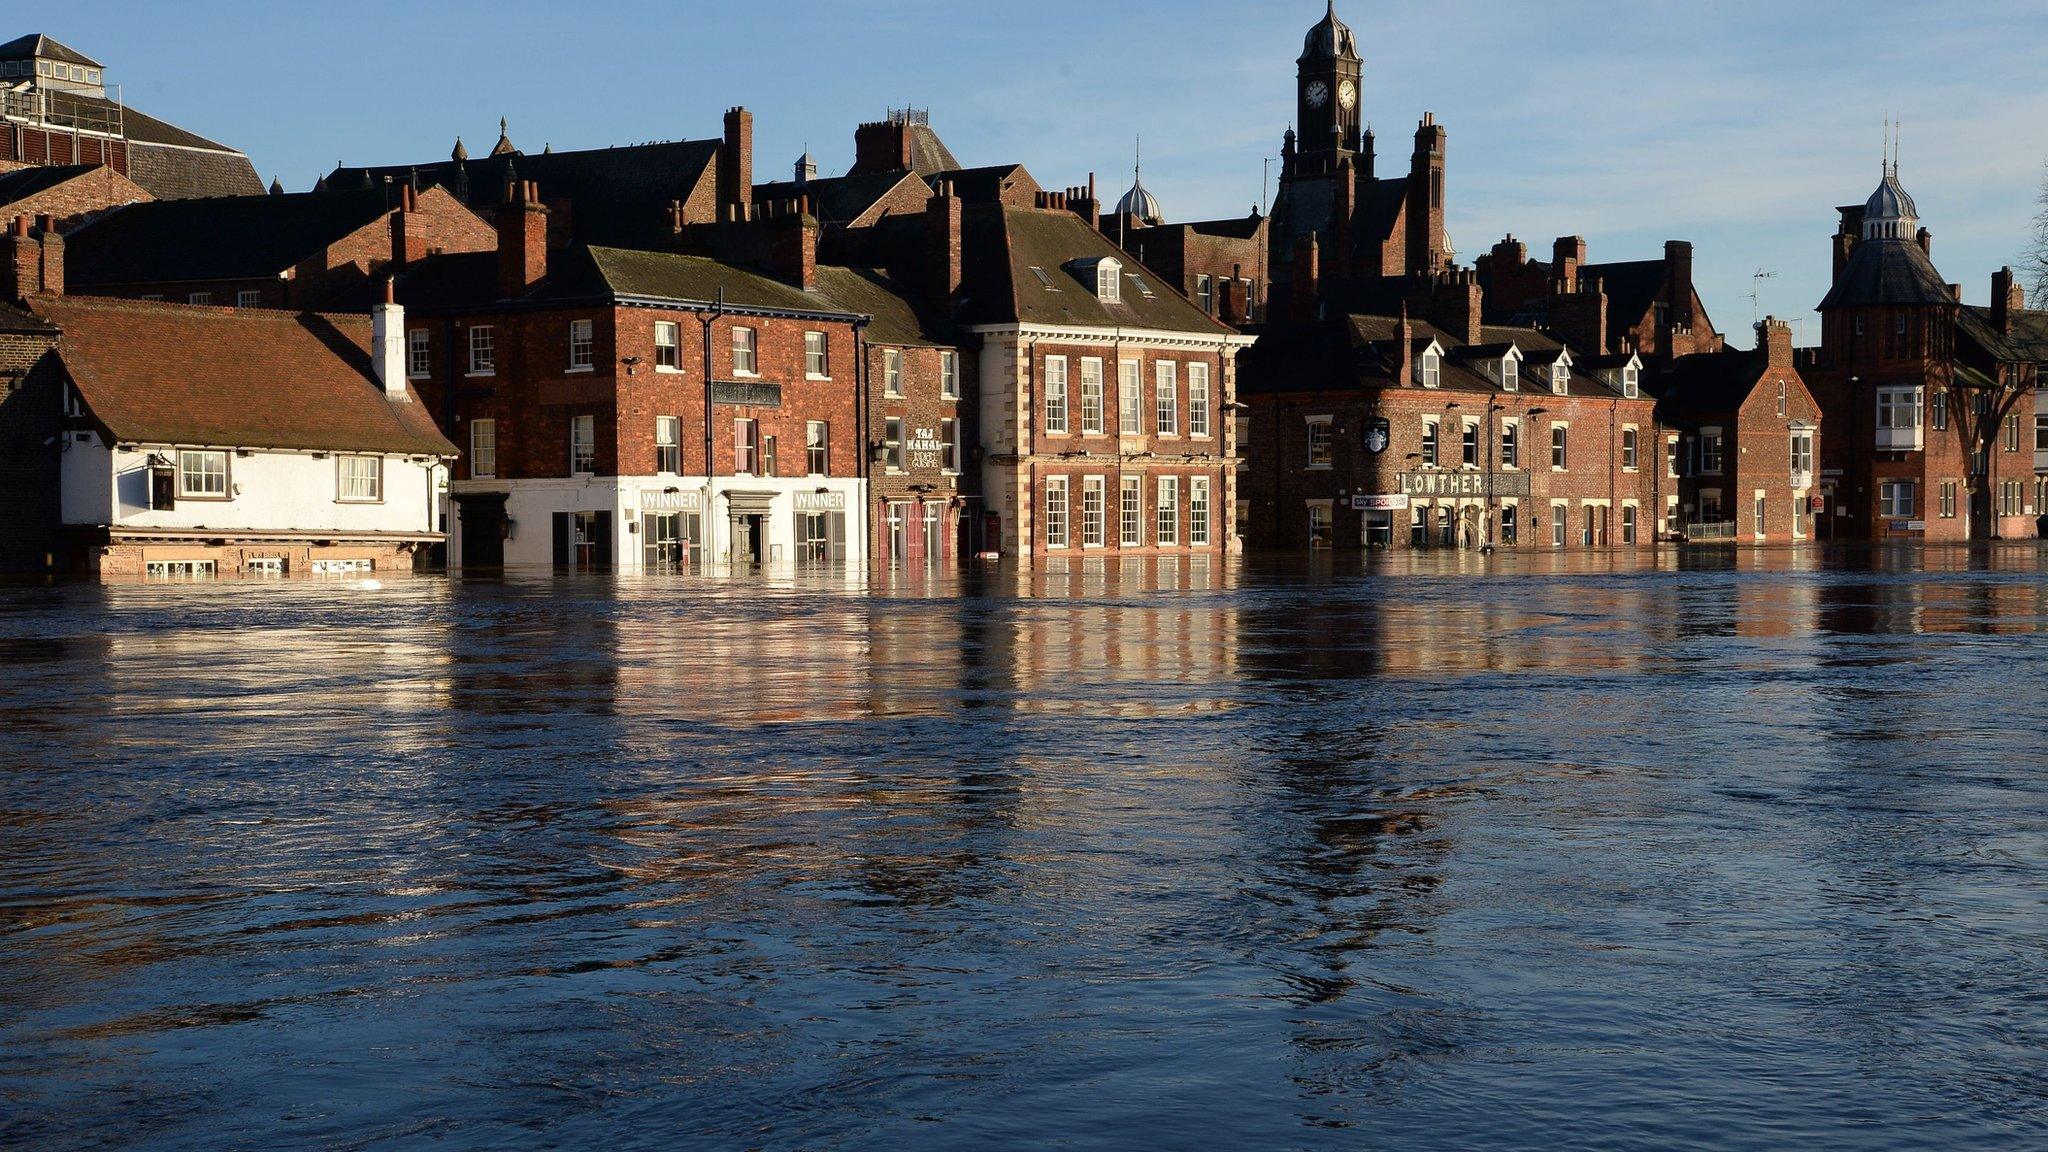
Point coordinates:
pixel 1477 484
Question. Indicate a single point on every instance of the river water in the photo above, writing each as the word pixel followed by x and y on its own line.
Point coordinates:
pixel 1738 850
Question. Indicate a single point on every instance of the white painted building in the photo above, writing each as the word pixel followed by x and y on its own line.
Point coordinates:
pixel 202 441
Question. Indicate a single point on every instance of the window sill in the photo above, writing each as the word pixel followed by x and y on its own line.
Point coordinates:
pixel 665 370
pixel 360 502
pixel 579 370
pixel 741 374
pixel 476 373
pixel 419 375
pixel 828 380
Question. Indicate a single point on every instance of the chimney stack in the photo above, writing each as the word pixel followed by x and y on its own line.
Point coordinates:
pixel 1925 239
pixel 1678 259
pixel 882 146
pixel 522 240
pixel 387 341
pixel 795 248
pixel 1774 340
pixel 944 228
pixel 736 165
pixel 51 262
pixel 1567 255
pixel 2007 297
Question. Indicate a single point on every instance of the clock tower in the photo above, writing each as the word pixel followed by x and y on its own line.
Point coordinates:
pixel 1327 95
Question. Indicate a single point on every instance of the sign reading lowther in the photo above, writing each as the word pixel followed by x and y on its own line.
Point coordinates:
pixel 1475 484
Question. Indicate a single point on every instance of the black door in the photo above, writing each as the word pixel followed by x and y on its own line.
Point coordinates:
pixel 483 529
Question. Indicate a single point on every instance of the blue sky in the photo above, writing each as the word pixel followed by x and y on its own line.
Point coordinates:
pixel 1738 125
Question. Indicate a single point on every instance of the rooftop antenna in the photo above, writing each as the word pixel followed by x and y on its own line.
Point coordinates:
pixel 1756 286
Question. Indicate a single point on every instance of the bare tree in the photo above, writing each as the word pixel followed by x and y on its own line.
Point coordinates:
pixel 2037 252
pixel 1980 412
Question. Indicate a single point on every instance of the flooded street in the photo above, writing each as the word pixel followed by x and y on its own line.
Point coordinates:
pixel 1739 850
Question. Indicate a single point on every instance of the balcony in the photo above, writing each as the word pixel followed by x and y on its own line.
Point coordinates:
pixel 1898 439
pixel 1710 530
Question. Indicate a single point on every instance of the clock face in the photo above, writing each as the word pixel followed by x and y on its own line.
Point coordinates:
pixel 1318 94
pixel 1347 95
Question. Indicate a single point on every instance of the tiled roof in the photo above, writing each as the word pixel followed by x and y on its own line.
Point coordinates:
pixel 221 238
pixel 1887 272
pixel 897 313
pixel 2027 341
pixel 694 279
pixel 15 322
pixel 1007 250
pixel 981 185
pixel 617 196
pixel 1363 351
pixel 178 374
pixel 1631 287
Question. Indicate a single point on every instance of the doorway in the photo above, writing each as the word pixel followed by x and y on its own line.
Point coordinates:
pixel 482 519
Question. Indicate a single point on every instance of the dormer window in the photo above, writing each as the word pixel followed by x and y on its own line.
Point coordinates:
pixel 1510 374
pixel 1109 282
pixel 1631 381
pixel 1429 369
pixel 1560 378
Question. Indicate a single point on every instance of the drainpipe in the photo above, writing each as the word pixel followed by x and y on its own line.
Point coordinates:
pixel 706 520
pixel 863 421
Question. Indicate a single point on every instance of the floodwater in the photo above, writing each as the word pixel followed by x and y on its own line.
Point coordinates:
pixel 1738 850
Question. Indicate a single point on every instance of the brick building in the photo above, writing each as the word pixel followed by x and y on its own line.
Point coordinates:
pixel 1383 431
pixel 1105 398
pixel 54 110
pixel 319 250
pixel 1648 307
pixel 1748 433
pixel 1928 404
pixel 172 440
pixel 71 193
pixel 577 379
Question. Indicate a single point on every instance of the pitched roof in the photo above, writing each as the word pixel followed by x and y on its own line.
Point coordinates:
pixel 221 238
pixel 2027 340
pixel 841 200
pixel 1021 261
pixel 1706 384
pixel 897 313
pixel 1362 350
pixel 36 44
pixel 15 322
pixel 1887 272
pixel 177 374
pixel 691 279
pixel 618 196
pixel 23 183
pixel 981 185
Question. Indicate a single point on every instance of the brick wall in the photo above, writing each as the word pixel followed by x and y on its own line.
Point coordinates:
pixel 78 199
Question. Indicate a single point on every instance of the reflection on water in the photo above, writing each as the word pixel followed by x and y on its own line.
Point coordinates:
pixel 1739 849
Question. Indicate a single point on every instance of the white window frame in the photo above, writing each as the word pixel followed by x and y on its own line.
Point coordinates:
pixel 1056 508
pixel 582 346
pixel 1130 398
pixel 949 374
pixel 894 454
pixel 1056 395
pixel 1560 523
pixel 1888 499
pixel 419 353
pixel 582 445
pixel 1631 447
pixel 1166 512
pixel 195 463
pixel 1510 443
pixel 359 479
pixel 668 445
pixel 1131 512
pixel 1432 444
pixel 818 362
pixel 1198 400
pixel 1166 398
pixel 1091 396
pixel 746 350
pixel 1429 369
pixel 249 298
pixel 1198 511
pixel 483 350
pixel 817 448
pixel 1109 281
pixel 949 435
pixel 483 449
pixel 1560 446
pixel 1510 374
pixel 1094 511
pixel 1470 451
pixel 1713 451
pixel 1320 433
pixel 668 346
